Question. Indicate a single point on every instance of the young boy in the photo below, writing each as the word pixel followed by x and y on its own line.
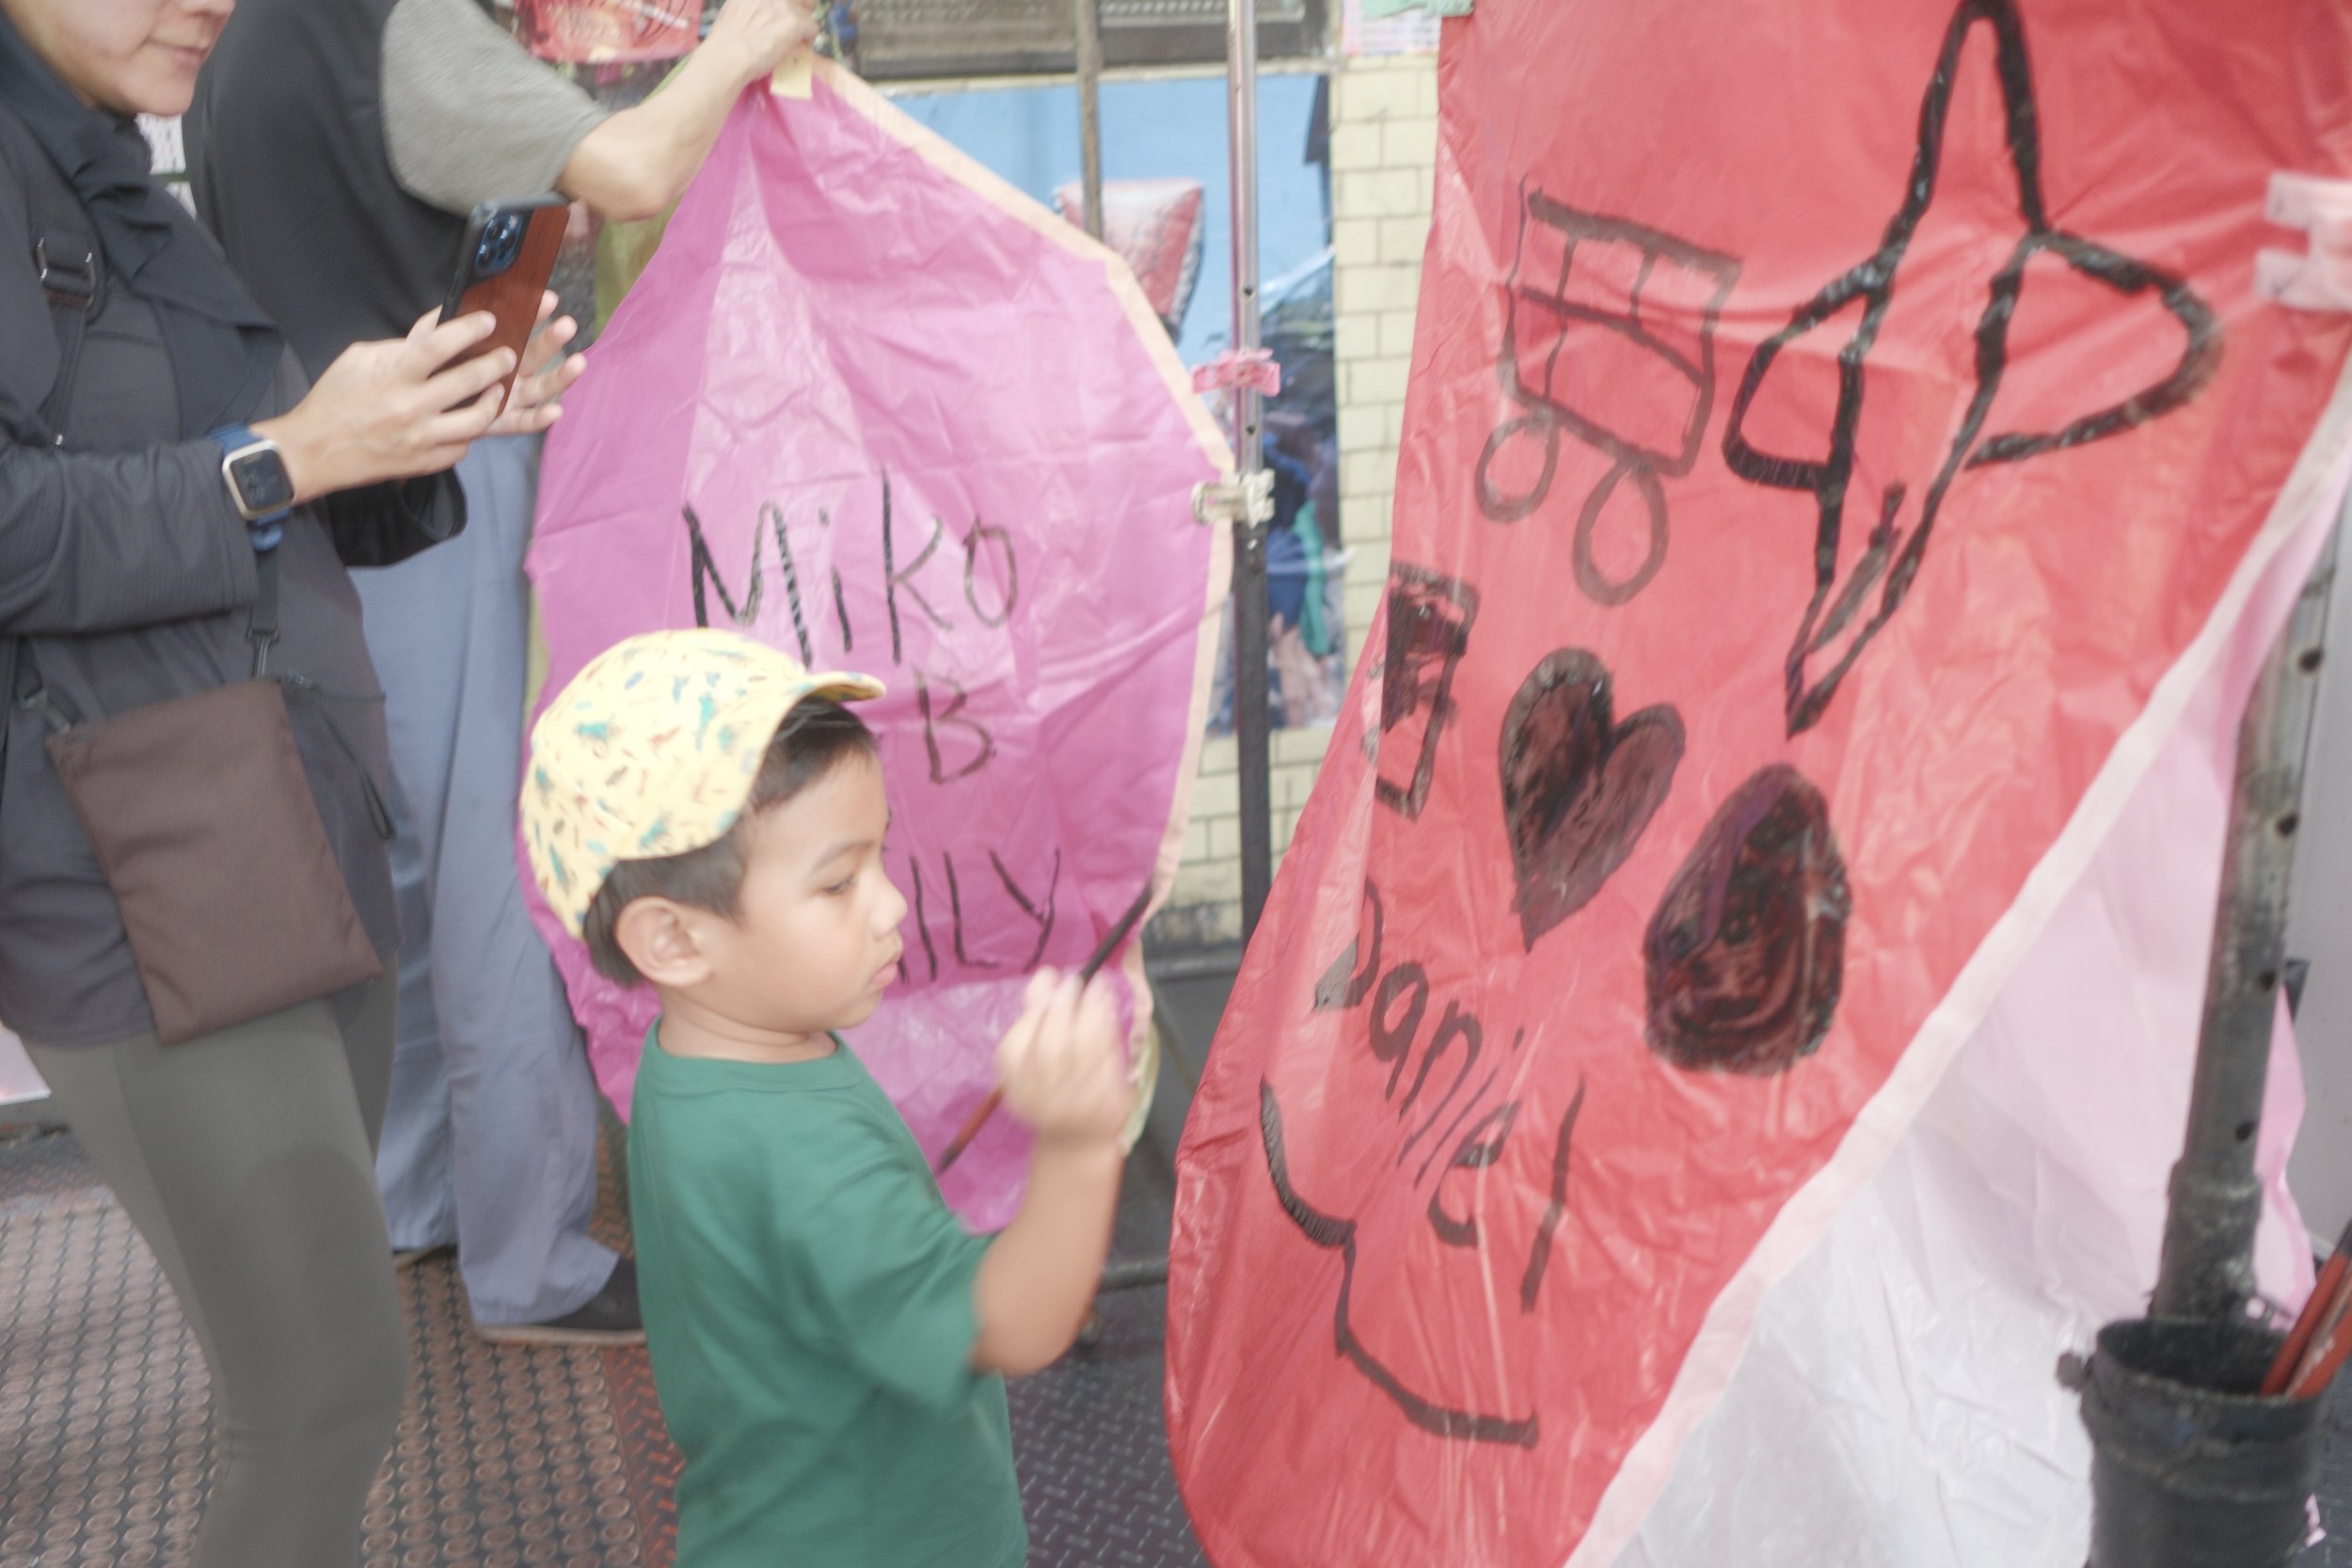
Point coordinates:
pixel 828 1342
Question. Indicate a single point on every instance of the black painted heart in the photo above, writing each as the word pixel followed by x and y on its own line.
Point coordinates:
pixel 1578 787
pixel 1746 956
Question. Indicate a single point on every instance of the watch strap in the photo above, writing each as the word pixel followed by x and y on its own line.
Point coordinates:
pixel 269 529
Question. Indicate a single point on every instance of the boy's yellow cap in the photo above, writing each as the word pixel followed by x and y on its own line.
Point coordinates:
pixel 651 751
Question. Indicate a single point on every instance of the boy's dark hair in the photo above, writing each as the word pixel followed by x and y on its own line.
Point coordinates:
pixel 814 739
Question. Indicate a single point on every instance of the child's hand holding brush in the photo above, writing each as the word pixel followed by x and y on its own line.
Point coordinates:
pixel 1059 1069
pixel 1040 991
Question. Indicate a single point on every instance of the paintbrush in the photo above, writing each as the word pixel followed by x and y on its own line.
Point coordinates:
pixel 2326 1359
pixel 987 1108
pixel 2330 1342
pixel 2320 1313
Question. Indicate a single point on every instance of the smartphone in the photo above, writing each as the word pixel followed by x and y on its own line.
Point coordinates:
pixel 503 268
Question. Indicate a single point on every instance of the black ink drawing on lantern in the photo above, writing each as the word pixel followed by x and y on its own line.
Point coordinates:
pixel 938 717
pixel 1039 912
pixel 1474 1138
pixel 1892 559
pixel 703 569
pixel 1339 1235
pixel 894 579
pixel 1539 1256
pixel 1483 1146
pixel 1637 384
pixel 1745 957
pixel 1044 919
pixel 706 577
pixel 1393 1027
pixel 1430 617
pixel 1344 985
pixel 1577 786
pixel 898 582
pixel 1009 569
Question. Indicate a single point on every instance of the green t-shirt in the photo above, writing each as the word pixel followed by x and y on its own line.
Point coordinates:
pixel 809 1308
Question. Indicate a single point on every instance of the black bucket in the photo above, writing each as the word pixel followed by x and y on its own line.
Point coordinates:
pixel 2190 1467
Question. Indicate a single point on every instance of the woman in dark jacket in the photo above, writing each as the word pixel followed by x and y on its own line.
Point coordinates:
pixel 169 488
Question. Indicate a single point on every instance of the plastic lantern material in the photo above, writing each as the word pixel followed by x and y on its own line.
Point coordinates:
pixel 870 404
pixel 609 32
pixel 1896 1403
pixel 1156 224
pixel 1841 442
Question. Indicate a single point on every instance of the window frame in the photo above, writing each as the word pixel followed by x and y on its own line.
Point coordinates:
pixel 1126 44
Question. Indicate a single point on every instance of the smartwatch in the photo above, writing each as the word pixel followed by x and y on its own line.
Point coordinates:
pixel 258 482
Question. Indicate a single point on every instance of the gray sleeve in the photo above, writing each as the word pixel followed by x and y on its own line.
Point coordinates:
pixel 469 115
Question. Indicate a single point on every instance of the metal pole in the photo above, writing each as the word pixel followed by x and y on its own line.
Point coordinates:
pixel 2207 1268
pixel 1250 719
pixel 1091 111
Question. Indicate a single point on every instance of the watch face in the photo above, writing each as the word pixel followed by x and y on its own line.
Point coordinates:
pixel 262 484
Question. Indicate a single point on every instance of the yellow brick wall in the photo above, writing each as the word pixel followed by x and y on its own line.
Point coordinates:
pixel 1384 139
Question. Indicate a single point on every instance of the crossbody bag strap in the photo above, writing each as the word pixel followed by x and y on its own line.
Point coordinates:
pixel 73 273
pixel 71 277
pixel 66 259
pixel 262 628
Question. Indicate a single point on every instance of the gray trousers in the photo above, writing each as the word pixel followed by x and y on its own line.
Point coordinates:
pixel 243 1159
pixel 490 1137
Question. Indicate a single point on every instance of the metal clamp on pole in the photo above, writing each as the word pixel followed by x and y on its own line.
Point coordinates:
pixel 1246 497
pixel 1237 498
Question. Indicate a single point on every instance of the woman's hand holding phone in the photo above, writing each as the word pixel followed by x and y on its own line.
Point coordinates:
pixel 394 409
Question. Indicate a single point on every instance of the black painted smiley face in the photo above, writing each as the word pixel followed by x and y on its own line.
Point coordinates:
pixel 1456 1119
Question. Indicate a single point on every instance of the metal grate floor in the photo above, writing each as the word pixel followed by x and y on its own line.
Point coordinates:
pixel 1088 1435
pixel 506 1455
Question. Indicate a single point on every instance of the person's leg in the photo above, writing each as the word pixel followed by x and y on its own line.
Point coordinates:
pixel 403 607
pixel 449 634
pixel 368 1016
pixel 243 1158
pixel 413 1162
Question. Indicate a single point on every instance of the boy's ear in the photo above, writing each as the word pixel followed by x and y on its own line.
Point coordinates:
pixel 661 940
